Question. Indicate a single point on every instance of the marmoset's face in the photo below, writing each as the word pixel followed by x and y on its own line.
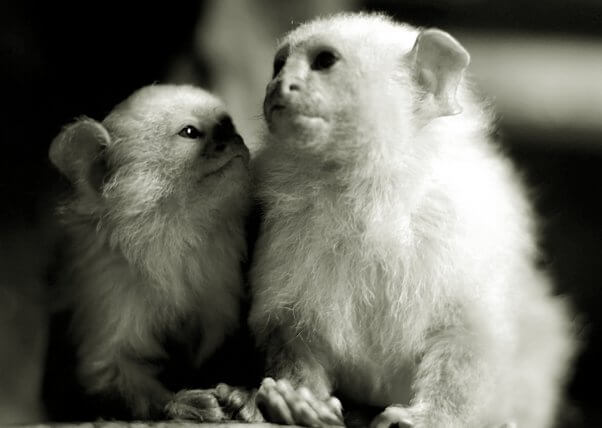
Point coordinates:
pixel 337 92
pixel 210 144
pixel 313 88
pixel 184 140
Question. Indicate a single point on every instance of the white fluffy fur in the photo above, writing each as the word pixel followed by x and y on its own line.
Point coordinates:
pixel 397 262
pixel 158 248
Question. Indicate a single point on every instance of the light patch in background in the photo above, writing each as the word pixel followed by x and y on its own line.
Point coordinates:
pixel 541 85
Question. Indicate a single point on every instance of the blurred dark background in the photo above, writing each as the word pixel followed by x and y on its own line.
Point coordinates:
pixel 539 61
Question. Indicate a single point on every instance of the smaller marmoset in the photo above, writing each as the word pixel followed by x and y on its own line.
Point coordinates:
pixel 396 264
pixel 156 229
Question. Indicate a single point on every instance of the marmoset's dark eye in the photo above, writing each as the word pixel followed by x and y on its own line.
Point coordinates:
pixel 324 60
pixel 278 64
pixel 191 132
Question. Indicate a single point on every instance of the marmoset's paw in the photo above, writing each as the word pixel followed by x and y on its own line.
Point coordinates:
pixel 195 404
pixel 238 403
pixel 283 404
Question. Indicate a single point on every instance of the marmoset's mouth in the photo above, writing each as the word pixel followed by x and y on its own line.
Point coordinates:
pixel 291 112
pixel 225 166
pixel 275 109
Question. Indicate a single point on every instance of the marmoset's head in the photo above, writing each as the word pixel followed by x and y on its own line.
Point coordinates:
pixel 344 81
pixel 164 147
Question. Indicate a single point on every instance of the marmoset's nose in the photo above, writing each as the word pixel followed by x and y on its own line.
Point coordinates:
pixel 290 78
pixel 284 86
pixel 223 132
pixel 224 129
pixel 222 135
pixel 290 85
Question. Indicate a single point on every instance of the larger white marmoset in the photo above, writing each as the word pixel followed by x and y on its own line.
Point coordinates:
pixel 396 262
pixel 156 229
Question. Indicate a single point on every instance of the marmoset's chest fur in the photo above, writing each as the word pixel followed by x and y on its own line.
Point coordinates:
pixel 333 257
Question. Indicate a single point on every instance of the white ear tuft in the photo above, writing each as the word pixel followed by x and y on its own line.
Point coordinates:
pixel 438 62
pixel 77 150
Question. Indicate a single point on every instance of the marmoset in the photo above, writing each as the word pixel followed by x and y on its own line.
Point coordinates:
pixel 396 264
pixel 156 229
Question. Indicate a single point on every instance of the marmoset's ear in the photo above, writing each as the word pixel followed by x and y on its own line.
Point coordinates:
pixel 78 153
pixel 438 62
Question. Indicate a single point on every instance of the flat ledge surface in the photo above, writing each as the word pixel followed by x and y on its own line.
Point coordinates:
pixel 162 424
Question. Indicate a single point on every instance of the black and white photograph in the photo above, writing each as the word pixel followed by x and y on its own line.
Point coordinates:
pixel 313 213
